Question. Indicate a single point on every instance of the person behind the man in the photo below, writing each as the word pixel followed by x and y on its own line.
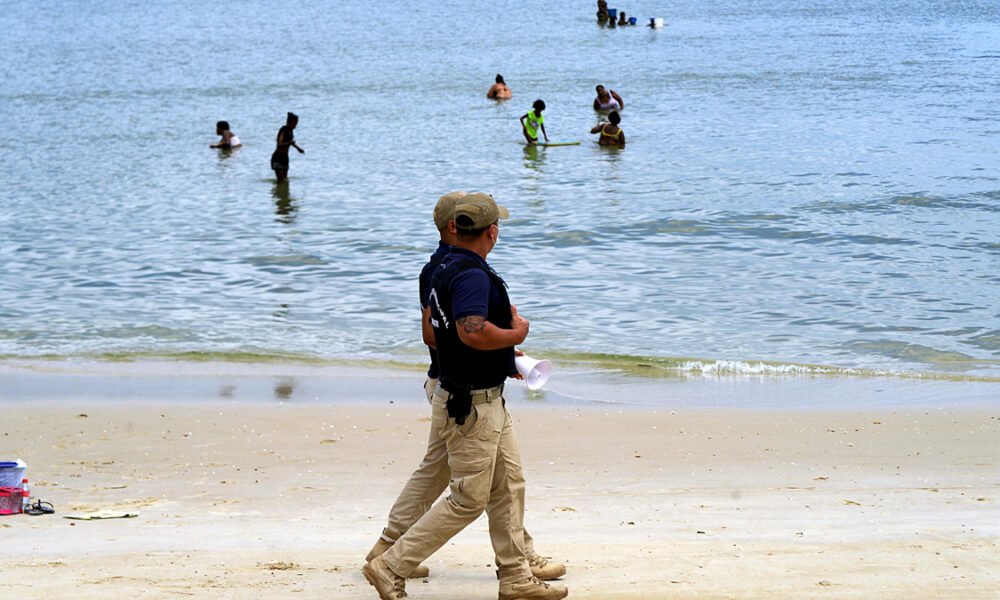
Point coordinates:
pixel 475 330
pixel 432 475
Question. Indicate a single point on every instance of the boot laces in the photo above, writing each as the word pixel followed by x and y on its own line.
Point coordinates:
pixel 399 585
pixel 535 560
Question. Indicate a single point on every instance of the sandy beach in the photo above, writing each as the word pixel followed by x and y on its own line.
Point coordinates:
pixel 243 498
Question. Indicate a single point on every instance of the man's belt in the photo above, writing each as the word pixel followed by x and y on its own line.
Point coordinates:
pixel 486 395
pixel 462 397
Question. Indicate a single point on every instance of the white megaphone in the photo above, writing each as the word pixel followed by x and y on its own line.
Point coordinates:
pixel 535 372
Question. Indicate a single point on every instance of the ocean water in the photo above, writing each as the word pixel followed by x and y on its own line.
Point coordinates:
pixel 805 183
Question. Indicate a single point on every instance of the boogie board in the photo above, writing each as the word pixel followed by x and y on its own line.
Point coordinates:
pixel 549 144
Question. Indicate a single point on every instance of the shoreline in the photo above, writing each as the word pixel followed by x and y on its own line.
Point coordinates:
pixel 251 495
pixel 572 384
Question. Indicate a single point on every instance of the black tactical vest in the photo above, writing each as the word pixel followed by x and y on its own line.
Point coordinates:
pixel 459 363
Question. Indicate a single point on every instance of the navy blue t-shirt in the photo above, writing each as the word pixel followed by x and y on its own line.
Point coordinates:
pixel 425 293
pixel 473 292
pixel 470 291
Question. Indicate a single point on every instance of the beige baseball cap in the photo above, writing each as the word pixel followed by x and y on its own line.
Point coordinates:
pixel 477 210
pixel 444 210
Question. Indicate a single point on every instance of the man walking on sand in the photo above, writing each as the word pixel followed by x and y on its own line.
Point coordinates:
pixel 431 477
pixel 475 330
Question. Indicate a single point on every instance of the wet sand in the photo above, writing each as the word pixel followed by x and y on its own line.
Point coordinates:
pixel 243 498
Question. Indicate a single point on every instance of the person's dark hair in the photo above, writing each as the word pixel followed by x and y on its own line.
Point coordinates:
pixel 223 125
pixel 614 117
pixel 599 88
pixel 499 78
pixel 539 105
pixel 293 118
pixel 466 233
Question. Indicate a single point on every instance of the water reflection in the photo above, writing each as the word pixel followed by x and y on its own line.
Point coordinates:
pixel 610 155
pixel 223 158
pixel 284 204
pixel 534 157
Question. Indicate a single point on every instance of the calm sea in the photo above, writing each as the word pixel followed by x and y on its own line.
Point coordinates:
pixel 804 183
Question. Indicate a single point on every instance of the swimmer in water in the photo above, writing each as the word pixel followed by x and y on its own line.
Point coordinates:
pixel 611 133
pixel 499 90
pixel 229 139
pixel 607 100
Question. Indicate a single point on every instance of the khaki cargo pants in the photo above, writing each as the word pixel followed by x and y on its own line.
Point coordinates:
pixel 485 464
pixel 426 484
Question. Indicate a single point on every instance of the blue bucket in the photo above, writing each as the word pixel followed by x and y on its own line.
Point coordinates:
pixel 632 20
pixel 612 13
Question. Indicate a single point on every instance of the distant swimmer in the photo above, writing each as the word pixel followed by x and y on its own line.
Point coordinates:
pixel 607 100
pixel 229 139
pixel 622 19
pixel 602 10
pixel 532 121
pixel 286 138
pixel 499 90
pixel 611 133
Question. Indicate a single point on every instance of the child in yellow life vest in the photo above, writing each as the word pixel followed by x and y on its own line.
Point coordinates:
pixel 611 133
pixel 532 121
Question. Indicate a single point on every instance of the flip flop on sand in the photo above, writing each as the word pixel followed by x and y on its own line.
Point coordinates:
pixel 39 508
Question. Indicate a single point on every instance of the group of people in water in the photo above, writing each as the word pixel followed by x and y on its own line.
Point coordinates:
pixel 606 16
pixel 607 104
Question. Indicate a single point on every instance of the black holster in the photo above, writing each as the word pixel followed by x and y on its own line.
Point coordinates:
pixel 459 401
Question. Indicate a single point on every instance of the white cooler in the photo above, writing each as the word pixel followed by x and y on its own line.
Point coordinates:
pixel 12 472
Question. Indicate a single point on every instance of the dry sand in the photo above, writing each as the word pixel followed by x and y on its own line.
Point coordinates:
pixel 245 499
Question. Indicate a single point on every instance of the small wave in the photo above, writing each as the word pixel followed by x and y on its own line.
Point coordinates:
pixel 685 367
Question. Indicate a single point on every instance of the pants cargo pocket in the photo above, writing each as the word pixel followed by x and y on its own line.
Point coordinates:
pixel 491 423
pixel 471 481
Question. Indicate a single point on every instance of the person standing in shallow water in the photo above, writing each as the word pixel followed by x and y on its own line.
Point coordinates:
pixel 286 138
pixel 229 140
pixel 499 90
pixel 602 10
pixel 611 133
pixel 532 122
pixel 607 100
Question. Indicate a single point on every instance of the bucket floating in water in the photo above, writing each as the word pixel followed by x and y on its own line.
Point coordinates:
pixel 632 20
pixel 612 13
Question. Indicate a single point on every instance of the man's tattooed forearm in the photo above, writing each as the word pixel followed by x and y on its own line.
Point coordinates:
pixel 473 324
